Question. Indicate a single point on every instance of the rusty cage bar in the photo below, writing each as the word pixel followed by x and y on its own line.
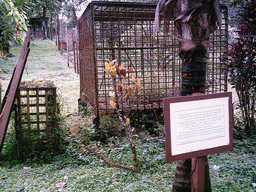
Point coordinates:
pixel 123 31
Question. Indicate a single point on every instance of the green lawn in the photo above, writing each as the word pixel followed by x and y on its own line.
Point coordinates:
pixel 229 171
pixel 45 63
pixel 79 170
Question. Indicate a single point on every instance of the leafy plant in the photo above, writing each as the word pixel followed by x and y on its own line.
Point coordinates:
pixel 122 95
pixel 110 127
pixel 11 19
pixel 242 68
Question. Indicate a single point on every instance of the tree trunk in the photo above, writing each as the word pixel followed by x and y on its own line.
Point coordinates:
pixel 44 23
pixel 193 81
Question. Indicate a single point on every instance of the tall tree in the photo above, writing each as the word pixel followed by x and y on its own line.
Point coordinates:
pixel 194 21
pixel 12 19
pixel 44 8
pixel 72 7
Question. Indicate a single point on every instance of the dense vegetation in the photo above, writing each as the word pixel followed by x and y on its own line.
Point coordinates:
pixel 71 167
pixel 75 169
pixel 242 67
pixel 15 16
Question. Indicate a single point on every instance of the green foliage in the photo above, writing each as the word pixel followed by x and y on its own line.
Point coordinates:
pixel 88 172
pixel 235 171
pixel 150 121
pixel 71 7
pixel 83 171
pixel 242 68
pixel 37 147
pixel 11 19
pixel 81 127
pixel 109 127
pixel 84 109
pixel 42 8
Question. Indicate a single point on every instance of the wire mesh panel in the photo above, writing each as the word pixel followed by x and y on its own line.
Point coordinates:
pixel 124 32
pixel 36 113
pixel 216 77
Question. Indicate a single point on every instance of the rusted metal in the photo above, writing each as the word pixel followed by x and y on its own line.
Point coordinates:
pixel 12 89
pixel 124 32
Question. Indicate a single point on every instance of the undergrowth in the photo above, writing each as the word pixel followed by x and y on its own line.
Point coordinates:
pixel 80 170
pixel 83 171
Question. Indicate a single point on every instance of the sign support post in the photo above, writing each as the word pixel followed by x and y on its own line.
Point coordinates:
pixel 198 174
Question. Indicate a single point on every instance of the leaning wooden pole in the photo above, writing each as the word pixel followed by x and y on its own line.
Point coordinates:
pixel 12 89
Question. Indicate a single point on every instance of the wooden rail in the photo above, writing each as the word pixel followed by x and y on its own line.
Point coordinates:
pixel 10 94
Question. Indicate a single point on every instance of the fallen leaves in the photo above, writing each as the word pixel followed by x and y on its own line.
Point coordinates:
pixel 4 177
pixel 26 168
pixel 61 185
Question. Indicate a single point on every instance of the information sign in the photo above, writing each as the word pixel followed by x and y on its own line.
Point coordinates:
pixel 198 125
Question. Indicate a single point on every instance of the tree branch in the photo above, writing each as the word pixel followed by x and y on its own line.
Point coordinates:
pixel 105 159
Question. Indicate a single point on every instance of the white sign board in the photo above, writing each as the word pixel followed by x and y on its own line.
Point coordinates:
pixel 198 123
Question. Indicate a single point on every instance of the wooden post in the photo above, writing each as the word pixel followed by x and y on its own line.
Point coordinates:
pixel 198 174
pixel 67 43
pixel 12 88
pixel 61 38
pixel 74 47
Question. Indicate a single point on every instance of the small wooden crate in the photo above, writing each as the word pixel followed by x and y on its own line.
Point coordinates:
pixel 37 108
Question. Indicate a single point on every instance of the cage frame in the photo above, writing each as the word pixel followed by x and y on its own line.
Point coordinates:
pixel 216 76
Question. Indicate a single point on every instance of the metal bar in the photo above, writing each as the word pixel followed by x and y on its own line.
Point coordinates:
pixel 18 125
pixel 95 63
pixel 28 111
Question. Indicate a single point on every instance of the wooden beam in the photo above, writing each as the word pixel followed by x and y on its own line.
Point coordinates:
pixel 12 89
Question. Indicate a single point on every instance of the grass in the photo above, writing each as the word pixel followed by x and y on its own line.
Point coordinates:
pixel 87 172
pixel 79 170
pixel 45 63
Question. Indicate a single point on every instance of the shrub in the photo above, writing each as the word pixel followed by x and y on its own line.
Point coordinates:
pixel 38 147
pixel 242 67
pixel 109 127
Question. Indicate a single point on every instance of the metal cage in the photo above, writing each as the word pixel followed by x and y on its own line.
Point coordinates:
pixel 123 32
